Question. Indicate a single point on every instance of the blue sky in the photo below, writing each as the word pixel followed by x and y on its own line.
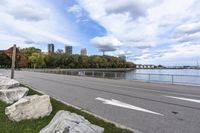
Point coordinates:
pixel 163 32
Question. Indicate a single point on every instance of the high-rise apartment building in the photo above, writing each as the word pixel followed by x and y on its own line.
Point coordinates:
pixel 84 51
pixel 51 48
pixel 68 49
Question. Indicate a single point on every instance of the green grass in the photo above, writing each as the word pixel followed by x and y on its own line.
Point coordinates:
pixel 34 126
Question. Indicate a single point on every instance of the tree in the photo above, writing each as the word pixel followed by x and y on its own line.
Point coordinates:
pixel 51 60
pixel 37 60
pixel 27 52
pixel 5 61
pixel 59 51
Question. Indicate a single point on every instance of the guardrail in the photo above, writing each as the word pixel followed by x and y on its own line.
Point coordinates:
pixel 164 78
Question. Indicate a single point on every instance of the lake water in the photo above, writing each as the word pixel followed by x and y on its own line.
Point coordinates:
pixel 179 76
pixel 168 71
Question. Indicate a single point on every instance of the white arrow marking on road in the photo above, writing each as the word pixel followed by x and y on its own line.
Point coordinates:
pixel 125 105
pixel 185 99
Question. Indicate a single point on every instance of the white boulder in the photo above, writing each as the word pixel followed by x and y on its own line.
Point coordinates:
pixel 6 83
pixel 29 107
pixel 11 95
pixel 66 122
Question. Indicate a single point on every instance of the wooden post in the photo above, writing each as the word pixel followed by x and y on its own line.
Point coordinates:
pixel 13 61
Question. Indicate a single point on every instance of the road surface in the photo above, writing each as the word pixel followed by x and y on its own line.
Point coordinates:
pixel 146 107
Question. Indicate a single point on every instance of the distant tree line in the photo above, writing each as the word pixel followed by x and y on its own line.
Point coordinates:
pixel 37 59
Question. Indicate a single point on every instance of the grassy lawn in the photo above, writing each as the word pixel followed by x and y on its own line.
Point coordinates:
pixel 34 126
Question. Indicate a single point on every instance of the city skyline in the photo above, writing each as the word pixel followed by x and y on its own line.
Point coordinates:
pixel 149 32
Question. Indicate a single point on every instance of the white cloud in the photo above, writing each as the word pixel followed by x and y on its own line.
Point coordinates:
pixel 129 25
pixel 179 54
pixel 35 20
pixel 189 27
pixel 106 43
pixel 29 13
pixel 132 8
pixel 78 12
pixel 76 9
pixel 147 24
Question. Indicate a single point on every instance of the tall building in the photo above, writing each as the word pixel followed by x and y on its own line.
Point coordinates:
pixel 84 51
pixel 51 48
pixel 68 49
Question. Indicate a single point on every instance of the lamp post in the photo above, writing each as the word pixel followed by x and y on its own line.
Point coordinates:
pixel 13 61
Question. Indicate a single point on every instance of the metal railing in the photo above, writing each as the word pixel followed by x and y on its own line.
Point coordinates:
pixel 163 78
pixel 166 78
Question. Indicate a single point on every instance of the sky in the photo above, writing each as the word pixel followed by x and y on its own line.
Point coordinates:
pixel 165 32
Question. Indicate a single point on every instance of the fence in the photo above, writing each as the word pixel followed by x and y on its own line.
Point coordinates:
pixel 164 78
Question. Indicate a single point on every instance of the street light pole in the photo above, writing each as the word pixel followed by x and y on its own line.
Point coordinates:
pixel 13 61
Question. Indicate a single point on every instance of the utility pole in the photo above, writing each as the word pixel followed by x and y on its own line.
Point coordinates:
pixel 13 61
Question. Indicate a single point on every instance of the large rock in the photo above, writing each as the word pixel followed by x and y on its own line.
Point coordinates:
pixel 12 95
pixel 6 83
pixel 30 107
pixel 66 122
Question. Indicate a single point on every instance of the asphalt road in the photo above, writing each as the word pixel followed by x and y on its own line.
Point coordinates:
pixel 146 107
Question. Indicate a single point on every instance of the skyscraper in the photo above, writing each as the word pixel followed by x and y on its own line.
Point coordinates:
pixel 51 48
pixel 68 49
pixel 84 51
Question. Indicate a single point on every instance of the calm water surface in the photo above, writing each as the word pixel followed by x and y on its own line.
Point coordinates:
pixel 180 76
pixel 168 71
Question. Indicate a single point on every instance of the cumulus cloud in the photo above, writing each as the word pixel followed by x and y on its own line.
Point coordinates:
pixel 187 32
pixel 29 13
pixel 32 22
pixel 132 8
pixel 141 25
pixel 106 43
pixel 189 27
pixel 179 54
pixel 126 20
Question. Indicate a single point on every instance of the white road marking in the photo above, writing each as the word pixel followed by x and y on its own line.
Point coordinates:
pixel 185 99
pixel 125 105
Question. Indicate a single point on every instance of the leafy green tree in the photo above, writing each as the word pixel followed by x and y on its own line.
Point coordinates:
pixel 29 51
pixel 50 60
pixel 37 60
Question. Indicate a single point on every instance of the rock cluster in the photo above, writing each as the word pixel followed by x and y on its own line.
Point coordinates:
pixel 25 107
pixel 35 106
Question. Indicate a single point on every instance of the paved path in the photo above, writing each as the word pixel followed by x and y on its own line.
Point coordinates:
pixel 146 107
